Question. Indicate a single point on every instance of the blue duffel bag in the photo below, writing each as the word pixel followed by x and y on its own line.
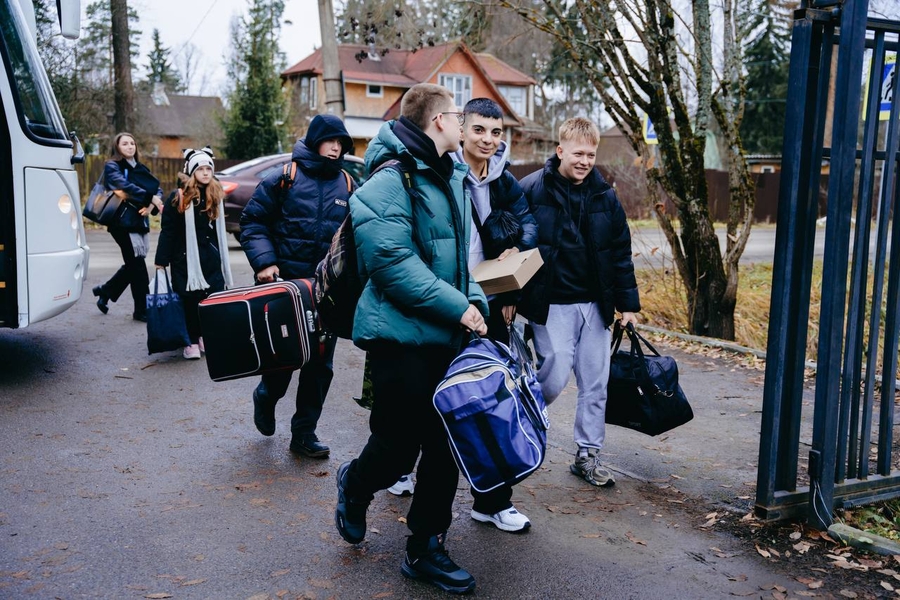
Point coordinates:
pixel 494 414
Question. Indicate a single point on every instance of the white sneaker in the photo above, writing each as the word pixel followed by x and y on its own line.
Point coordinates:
pixel 507 520
pixel 403 487
pixel 191 352
pixel 202 347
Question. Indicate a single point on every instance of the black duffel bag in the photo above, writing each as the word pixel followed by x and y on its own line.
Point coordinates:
pixel 643 392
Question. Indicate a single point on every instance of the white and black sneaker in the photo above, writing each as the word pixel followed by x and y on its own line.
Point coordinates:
pixel 507 520
pixel 403 487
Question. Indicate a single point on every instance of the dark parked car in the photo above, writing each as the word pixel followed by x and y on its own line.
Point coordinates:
pixel 240 180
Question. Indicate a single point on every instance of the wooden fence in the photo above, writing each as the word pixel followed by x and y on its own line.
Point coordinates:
pixel 632 191
pixel 164 169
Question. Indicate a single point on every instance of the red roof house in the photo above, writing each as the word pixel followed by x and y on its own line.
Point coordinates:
pixel 374 83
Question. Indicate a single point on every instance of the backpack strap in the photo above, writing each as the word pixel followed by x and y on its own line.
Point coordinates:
pixel 406 177
pixel 349 181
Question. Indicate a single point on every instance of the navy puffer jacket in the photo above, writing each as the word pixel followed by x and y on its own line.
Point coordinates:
pixel 293 229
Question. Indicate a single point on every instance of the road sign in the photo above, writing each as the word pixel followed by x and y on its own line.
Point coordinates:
pixel 888 85
pixel 650 137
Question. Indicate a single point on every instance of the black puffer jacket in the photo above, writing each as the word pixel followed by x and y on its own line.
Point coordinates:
pixel 171 249
pixel 609 245
pixel 294 229
pixel 139 184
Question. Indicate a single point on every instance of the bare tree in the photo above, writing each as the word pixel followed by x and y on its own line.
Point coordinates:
pixel 187 61
pixel 646 57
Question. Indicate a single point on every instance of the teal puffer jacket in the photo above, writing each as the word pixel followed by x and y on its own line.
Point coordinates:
pixel 418 285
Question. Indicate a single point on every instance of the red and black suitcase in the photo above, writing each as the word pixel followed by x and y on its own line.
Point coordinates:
pixel 256 330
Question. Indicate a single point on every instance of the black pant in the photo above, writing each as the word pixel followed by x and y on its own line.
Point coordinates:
pixel 133 273
pixel 312 386
pixel 500 498
pixel 402 423
pixel 190 301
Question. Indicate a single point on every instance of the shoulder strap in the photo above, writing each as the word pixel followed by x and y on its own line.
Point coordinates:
pixel 406 177
pixel 349 181
pixel 288 173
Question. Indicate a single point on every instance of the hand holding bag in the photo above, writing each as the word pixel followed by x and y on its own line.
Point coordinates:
pixel 643 391
pixel 102 205
pixel 166 327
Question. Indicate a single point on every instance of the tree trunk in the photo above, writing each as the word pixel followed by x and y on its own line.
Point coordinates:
pixel 124 91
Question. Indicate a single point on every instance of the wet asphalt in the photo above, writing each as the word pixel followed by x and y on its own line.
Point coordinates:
pixel 128 475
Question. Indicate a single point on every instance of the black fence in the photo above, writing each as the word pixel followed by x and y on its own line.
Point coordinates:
pixel 849 448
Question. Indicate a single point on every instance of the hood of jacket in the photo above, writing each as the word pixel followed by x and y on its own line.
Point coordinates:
pixel 314 164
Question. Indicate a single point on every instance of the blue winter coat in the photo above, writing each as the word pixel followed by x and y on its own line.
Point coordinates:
pixel 414 252
pixel 609 245
pixel 293 229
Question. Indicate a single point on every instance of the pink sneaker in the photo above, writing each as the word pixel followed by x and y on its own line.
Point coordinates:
pixel 191 352
pixel 202 347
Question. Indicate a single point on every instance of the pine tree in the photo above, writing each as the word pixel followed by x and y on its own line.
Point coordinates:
pixel 160 68
pixel 767 63
pixel 254 121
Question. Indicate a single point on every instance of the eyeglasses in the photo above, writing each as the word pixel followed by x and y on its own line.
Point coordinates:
pixel 461 117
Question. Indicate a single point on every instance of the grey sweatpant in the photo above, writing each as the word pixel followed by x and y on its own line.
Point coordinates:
pixel 576 338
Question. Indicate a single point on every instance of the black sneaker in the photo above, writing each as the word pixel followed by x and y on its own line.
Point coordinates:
pixel 309 445
pixel 349 515
pixel 263 415
pixel 432 565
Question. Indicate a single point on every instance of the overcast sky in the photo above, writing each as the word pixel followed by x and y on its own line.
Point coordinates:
pixel 205 23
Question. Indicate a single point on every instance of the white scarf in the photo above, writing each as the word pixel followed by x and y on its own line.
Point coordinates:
pixel 195 280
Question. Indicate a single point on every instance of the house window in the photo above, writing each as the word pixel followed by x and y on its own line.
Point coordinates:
pixel 308 92
pixel 515 96
pixel 374 91
pixel 460 85
pixel 767 169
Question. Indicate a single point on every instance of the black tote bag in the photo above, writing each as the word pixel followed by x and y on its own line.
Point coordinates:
pixel 102 205
pixel 643 391
pixel 166 327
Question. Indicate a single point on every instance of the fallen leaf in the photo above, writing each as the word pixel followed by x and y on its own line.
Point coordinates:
pixel 795 536
pixel 737 578
pixel 157 595
pixel 763 553
pixel 591 535
pixel 802 547
pixel 193 582
pixel 631 537
pixel 279 573
pixel 321 583
pixel 384 595
pixel 281 593
pixel 848 594
pixel 887 586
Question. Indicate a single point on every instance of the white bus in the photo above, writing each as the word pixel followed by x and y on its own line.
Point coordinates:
pixel 43 250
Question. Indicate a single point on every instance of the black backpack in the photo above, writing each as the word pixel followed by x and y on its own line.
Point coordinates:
pixel 338 281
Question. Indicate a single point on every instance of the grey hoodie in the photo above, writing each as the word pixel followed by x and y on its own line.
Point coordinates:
pixel 481 196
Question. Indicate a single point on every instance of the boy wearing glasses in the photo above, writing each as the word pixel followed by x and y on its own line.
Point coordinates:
pixel 412 316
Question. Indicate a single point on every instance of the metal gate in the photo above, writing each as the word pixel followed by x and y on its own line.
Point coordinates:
pixel 843 116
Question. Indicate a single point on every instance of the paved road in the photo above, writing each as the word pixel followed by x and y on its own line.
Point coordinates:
pixel 125 475
pixel 652 249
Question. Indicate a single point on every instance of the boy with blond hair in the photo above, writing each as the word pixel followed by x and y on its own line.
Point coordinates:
pixel 588 275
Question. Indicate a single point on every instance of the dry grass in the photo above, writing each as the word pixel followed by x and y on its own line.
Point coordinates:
pixel 664 303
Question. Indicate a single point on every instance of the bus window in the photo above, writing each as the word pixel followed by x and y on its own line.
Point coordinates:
pixel 38 111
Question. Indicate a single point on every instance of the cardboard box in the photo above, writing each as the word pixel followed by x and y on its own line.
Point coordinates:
pixel 511 273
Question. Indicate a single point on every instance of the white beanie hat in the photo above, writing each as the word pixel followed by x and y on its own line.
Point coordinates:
pixel 197 158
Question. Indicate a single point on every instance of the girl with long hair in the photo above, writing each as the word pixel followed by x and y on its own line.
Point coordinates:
pixel 132 181
pixel 193 240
